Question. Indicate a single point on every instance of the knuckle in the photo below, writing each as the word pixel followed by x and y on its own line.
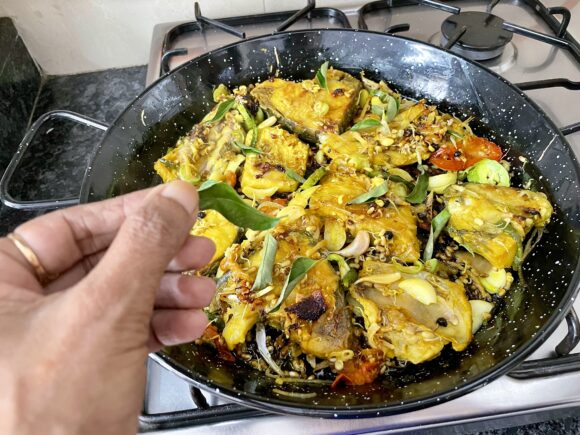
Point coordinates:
pixel 154 224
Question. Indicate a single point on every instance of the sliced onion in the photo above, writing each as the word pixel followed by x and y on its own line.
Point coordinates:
pixel 263 349
pixel 383 278
pixel 358 246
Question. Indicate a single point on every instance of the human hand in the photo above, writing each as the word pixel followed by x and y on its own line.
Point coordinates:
pixel 73 352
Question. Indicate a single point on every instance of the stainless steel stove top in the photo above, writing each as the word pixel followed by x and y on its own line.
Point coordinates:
pixel 506 400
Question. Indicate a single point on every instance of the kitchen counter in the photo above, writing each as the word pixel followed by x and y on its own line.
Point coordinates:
pixel 55 165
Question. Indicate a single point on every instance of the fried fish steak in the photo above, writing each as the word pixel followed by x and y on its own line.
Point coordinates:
pixel 307 109
pixel 492 220
pixel 218 229
pixel 207 152
pixel 379 147
pixel 405 328
pixel 265 174
pixel 393 228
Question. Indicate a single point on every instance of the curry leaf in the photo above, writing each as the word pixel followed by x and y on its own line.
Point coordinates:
pixel 321 75
pixel 223 108
pixel 313 179
pixel 437 225
pixel 298 271
pixel 375 192
pixel 419 193
pixel 223 198
pixel 366 123
pixel 264 276
pixel 295 176
pixel 398 179
pixel 247 150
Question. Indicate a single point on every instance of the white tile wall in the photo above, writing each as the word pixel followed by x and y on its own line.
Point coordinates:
pixel 72 36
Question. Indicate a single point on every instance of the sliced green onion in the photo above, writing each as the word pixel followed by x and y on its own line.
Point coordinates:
pixel 264 275
pixel 321 75
pixel 313 179
pixel 295 176
pixel 416 268
pixel 220 91
pixel 392 108
pixel 455 134
pixel 343 267
pixel 432 265
pixel 488 172
pixel 438 183
pixel 437 225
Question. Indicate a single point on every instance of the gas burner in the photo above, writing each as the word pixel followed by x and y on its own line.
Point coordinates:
pixel 476 35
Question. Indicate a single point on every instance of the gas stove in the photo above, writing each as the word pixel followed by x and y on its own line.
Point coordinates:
pixel 531 44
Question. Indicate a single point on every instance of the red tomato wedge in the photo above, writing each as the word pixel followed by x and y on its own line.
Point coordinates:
pixel 466 154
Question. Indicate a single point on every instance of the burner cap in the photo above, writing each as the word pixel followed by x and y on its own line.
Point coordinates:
pixel 484 37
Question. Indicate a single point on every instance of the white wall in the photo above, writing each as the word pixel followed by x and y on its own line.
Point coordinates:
pixel 72 36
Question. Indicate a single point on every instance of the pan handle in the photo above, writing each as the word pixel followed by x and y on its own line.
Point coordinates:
pixel 562 362
pixel 30 135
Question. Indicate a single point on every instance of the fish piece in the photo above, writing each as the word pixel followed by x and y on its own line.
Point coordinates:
pixel 393 228
pixel 264 174
pixel 448 318
pixel 307 109
pixel 405 328
pixel 481 213
pixel 207 152
pixel 218 229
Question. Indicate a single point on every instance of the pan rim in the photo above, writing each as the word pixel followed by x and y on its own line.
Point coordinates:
pixel 363 411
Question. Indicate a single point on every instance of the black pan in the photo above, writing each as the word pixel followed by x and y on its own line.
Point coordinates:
pixel 123 162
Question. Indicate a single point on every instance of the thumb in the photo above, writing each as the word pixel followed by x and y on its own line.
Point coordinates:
pixel 148 239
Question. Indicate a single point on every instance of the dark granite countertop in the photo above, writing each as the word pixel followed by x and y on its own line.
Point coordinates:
pixel 55 165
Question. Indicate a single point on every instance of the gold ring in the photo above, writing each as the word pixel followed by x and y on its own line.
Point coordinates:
pixel 42 275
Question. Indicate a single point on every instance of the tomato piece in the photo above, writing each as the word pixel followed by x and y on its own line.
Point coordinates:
pixel 211 334
pixel 465 154
pixel 478 148
pixel 445 158
pixel 362 369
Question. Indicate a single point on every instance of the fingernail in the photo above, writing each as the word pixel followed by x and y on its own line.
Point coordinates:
pixel 183 193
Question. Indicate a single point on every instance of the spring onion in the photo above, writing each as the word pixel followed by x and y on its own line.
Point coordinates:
pixel 321 75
